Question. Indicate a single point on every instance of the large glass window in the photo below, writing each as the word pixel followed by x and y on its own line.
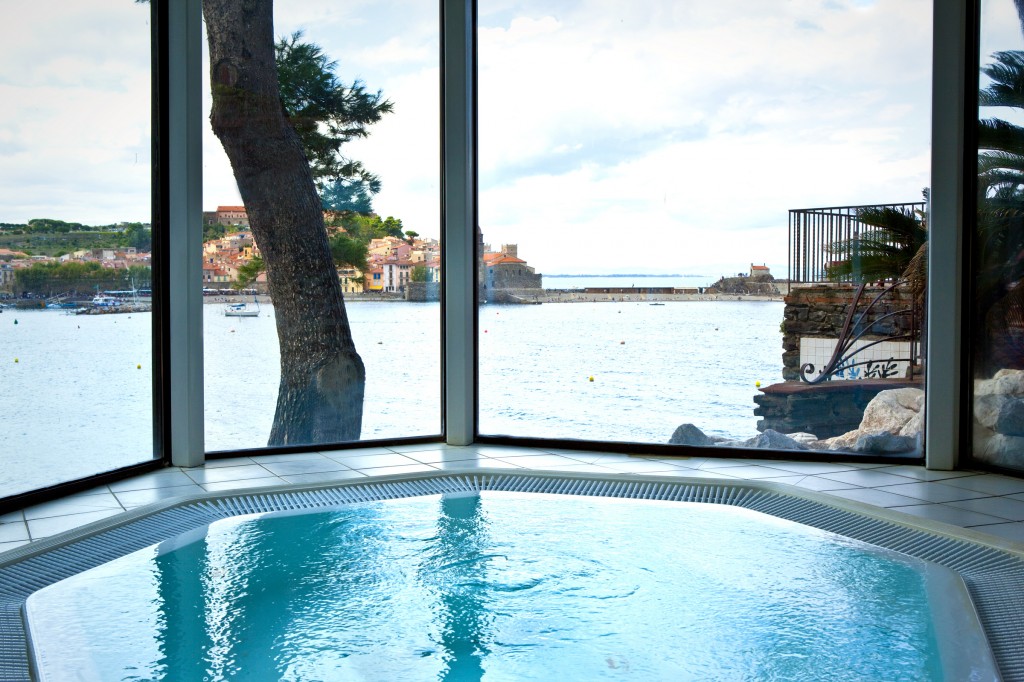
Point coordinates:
pixel 656 265
pixel 75 242
pixel 998 299
pixel 321 251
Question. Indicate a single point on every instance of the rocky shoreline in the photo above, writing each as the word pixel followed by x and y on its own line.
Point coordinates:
pixel 892 425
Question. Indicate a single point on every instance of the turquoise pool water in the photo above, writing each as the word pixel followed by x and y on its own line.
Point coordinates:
pixel 498 586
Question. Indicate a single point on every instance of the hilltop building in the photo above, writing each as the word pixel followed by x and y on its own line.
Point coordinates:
pixel 227 215
pixel 503 277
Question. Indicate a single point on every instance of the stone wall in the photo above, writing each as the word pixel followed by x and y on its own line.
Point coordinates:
pixel 819 310
pixel 826 410
pixel 423 291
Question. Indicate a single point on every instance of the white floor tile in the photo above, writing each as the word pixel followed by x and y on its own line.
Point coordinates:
pixel 5 546
pixel 159 479
pixel 370 461
pixel 13 532
pixel 866 478
pixel 824 485
pixel 325 477
pixel 399 469
pixel 1003 507
pixel 76 505
pixel 878 498
pixel 41 528
pixel 1008 531
pixel 137 498
pixel 931 492
pixel 303 466
pixel 990 483
pixel 948 514
pixel 228 486
pixel 202 476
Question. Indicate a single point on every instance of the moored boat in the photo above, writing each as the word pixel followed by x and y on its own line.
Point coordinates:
pixel 242 309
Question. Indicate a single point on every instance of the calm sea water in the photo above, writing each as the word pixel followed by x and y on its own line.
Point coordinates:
pixel 75 392
pixel 495 587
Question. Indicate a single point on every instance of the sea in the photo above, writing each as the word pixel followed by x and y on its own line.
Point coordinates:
pixel 76 390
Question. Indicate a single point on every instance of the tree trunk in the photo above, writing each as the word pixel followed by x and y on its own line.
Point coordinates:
pixel 320 399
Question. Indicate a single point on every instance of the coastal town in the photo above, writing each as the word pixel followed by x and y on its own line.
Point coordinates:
pixel 406 267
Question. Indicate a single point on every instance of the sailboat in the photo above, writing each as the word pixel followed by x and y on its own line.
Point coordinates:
pixel 242 309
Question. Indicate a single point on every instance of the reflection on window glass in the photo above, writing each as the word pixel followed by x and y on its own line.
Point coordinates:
pixel 656 265
pixel 321 231
pixel 998 300
pixel 75 242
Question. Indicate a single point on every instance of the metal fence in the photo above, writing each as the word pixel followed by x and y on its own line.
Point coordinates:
pixel 812 231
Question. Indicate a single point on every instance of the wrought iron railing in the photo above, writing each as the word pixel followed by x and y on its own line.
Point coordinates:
pixel 870 324
pixel 819 237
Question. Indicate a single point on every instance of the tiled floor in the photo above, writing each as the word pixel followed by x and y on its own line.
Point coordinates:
pixel 984 502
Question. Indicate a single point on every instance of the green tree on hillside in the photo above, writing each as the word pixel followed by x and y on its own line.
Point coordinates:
pixel 348 252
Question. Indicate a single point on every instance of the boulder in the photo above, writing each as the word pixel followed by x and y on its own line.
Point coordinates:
pixel 914 427
pixel 1004 382
pixel 1000 450
pixel 891 410
pixel 773 440
pixel 1010 421
pixel 884 443
pixel 688 434
pixel 988 406
pixel 843 442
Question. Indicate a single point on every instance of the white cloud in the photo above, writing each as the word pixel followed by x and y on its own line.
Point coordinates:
pixel 74 130
pixel 612 135
pixel 698 123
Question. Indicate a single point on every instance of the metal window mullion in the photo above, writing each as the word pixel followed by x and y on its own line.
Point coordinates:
pixel 459 220
pixel 943 376
pixel 184 221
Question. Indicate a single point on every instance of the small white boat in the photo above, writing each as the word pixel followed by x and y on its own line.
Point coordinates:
pixel 242 309
pixel 102 301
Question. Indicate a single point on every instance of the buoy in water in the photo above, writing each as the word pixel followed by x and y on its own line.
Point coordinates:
pixel 15 360
pixel 757 384
pixel 138 366
pixel 591 379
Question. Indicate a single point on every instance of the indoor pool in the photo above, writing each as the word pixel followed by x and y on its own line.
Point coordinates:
pixel 509 586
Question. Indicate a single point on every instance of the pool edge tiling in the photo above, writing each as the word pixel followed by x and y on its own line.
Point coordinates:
pixel 992 570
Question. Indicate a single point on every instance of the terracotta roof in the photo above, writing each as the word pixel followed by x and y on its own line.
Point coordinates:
pixel 506 259
pixel 221 209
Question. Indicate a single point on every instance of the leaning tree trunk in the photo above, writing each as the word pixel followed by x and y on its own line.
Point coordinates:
pixel 320 398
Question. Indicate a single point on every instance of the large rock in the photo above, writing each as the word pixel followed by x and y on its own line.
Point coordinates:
pixel 1005 382
pixel 1010 420
pixel 988 406
pixel 1000 450
pixel 914 427
pixel 891 410
pixel 884 443
pixel 773 440
pixel 688 434
pixel 892 423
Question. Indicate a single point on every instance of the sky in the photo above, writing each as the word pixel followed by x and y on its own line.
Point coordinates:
pixel 660 137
